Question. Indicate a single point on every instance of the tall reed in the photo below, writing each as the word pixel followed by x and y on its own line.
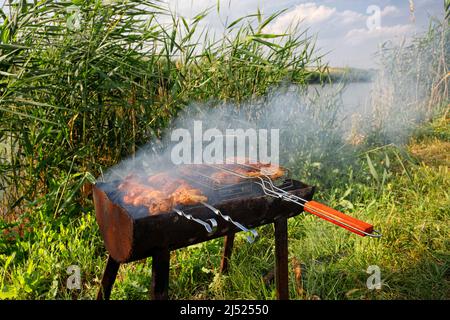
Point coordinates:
pixel 412 84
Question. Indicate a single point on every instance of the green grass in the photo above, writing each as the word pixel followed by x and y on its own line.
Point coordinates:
pixel 412 211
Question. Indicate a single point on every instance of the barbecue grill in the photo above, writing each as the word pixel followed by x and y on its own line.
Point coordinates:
pixel 254 198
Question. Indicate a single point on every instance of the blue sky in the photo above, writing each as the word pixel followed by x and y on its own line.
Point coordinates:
pixel 342 26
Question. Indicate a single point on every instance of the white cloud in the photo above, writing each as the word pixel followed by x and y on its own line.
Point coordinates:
pixel 360 35
pixel 349 17
pixel 326 19
pixel 308 13
pixel 389 11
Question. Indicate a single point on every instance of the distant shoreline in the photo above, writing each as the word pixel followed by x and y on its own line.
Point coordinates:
pixel 347 74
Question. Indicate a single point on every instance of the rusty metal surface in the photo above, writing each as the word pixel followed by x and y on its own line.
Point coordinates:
pixel 129 236
pixel 116 226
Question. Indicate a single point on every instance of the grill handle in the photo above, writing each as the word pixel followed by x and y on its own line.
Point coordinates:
pixel 338 218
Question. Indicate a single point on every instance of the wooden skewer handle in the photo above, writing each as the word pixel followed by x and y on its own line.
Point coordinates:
pixel 338 218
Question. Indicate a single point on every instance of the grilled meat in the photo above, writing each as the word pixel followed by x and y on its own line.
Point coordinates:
pixel 223 177
pixel 251 171
pixel 160 193
pixel 166 183
pixel 188 196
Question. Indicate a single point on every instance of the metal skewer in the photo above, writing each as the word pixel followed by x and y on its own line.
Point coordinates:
pixel 210 227
pixel 251 235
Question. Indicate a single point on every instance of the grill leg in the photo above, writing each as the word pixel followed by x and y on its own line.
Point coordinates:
pixel 281 259
pixel 109 276
pixel 160 275
pixel 227 250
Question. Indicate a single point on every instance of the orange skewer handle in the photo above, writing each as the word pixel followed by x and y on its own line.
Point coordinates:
pixel 338 218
